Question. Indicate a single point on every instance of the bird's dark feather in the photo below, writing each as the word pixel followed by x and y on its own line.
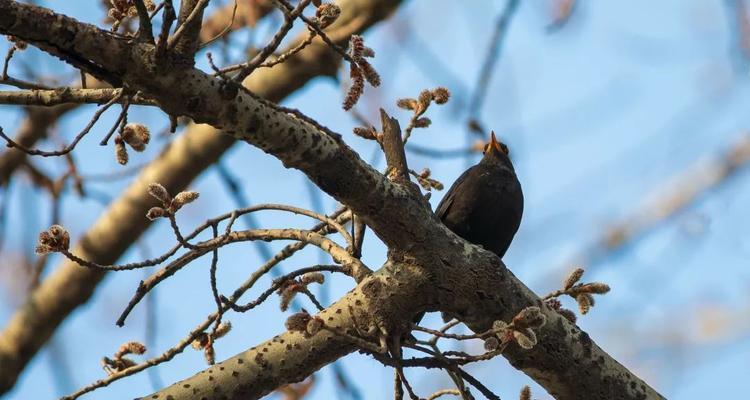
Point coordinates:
pixel 485 204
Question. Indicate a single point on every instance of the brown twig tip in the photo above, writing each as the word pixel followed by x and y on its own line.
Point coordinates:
pixel 423 122
pixel 130 348
pixel 525 393
pixel 425 181
pixel 594 288
pixel 407 104
pixel 53 240
pixel 529 317
pixel 556 305
pixel 17 43
pixel 112 366
pixel 573 278
pixel 419 106
pixel 158 192
pixel 357 88
pixel 119 362
pixel 585 302
pixel 121 152
pixel 366 132
pixel 360 70
pixel 200 342
pixel 210 355
pixel 156 213
pixel 441 95
pixel 491 343
pixel 297 322
pixel 289 288
pixel 525 338
pixel 357 46
pixel 520 330
pixel 136 136
pixel 222 330
pixel 121 9
pixel 582 293
pixel 312 277
pixel 327 14
pixel 372 76
pixel 205 341
pixel 423 101
pixel 182 199
pixel 287 295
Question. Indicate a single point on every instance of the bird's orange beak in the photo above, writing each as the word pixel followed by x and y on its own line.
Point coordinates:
pixel 494 143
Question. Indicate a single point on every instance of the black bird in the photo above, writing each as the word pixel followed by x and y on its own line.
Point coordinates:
pixel 485 204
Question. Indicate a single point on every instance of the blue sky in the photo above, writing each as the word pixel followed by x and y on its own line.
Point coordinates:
pixel 600 117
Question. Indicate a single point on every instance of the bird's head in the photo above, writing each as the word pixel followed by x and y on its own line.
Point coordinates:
pixel 494 146
pixel 496 152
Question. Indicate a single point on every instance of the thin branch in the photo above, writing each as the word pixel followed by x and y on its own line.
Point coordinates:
pixel 354 267
pixel 493 54
pixel 228 237
pixel 173 351
pixel 32 325
pixel 145 32
pixel 21 84
pixel 120 122
pixel 8 56
pixel 223 31
pixel 279 282
pixel 319 31
pixel 443 392
pixel 393 147
pixel 72 145
pixel 197 10
pixel 168 18
pixel 246 69
pixel 68 96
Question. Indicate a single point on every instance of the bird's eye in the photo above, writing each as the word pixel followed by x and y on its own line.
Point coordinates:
pixel 486 148
pixel 504 148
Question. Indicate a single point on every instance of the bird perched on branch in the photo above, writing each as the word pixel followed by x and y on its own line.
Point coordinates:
pixel 485 204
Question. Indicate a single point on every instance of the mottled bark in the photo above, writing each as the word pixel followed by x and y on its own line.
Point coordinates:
pixel 120 225
pixel 429 267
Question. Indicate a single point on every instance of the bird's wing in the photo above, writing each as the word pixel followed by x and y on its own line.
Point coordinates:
pixel 444 205
pixel 447 201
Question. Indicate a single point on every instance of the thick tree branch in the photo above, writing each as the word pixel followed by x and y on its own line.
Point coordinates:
pixel 444 272
pixel 292 356
pixel 70 285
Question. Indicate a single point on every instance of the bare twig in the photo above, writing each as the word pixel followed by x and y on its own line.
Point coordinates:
pixel 21 84
pixel 443 392
pixel 246 69
pixel 120 123
pixel 145 32
pixel 196 11
pixel 493 54
pixel 393 147
pixel 223 31
pixel 168 18
pixel 38 97
pixel 72 145
pixel 279 282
